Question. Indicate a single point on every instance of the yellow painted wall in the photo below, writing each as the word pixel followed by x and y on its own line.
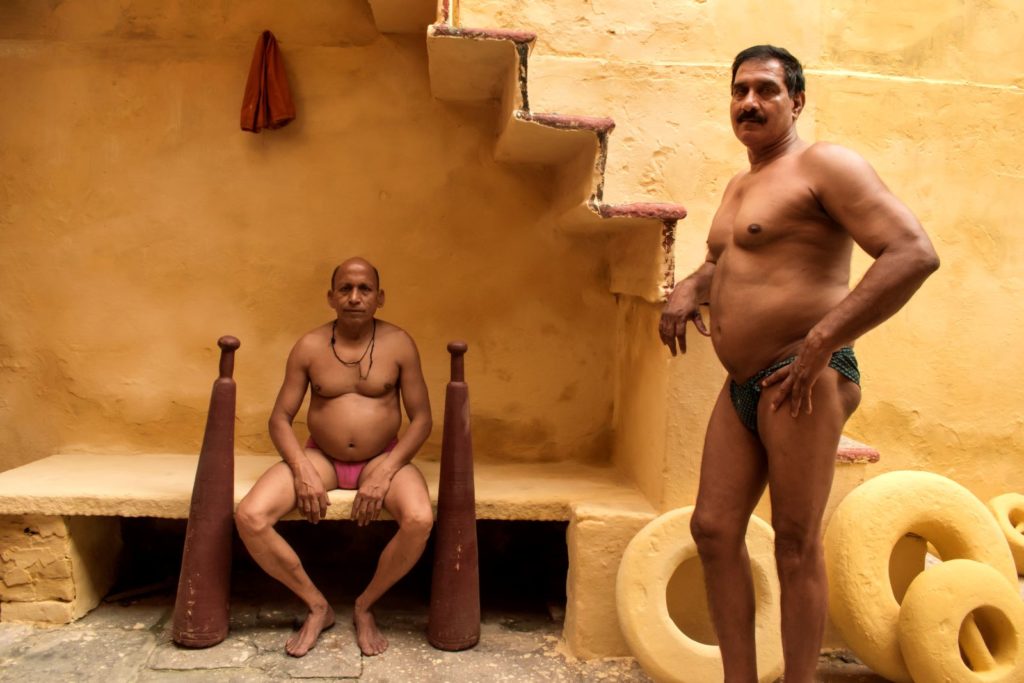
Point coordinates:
pixel 930 92
pixel 138 224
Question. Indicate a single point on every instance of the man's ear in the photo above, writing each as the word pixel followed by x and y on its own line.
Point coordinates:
pixel 798 104
pixel 380 299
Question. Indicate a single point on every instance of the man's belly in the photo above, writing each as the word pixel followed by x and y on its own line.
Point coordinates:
pixel 753 327
pixel 353 427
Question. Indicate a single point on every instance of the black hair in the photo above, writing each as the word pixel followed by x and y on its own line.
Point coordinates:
pixel 790 65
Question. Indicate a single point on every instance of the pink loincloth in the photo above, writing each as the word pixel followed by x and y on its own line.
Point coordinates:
pixel 348 472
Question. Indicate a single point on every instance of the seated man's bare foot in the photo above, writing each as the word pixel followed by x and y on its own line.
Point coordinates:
pixel 319 619
pixel 371 640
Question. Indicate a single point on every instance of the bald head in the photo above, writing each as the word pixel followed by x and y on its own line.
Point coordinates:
pixel 357 262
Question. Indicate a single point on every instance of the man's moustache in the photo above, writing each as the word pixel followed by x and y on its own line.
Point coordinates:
pixel 750 116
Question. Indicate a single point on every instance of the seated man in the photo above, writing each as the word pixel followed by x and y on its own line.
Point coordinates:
pixel 358 367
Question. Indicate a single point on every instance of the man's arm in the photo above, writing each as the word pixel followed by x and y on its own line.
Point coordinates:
pixel 370 497
pixel 310 494
pixel 684 305
pixel 691 292
pixel 855 197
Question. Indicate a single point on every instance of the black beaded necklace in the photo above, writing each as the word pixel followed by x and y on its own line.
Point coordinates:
pixel 357 363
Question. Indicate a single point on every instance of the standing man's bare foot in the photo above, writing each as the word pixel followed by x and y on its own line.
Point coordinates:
pixel 371 640
pixel 319 619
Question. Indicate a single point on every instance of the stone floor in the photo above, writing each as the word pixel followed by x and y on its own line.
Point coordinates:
pixel 130 641
pixel 127 638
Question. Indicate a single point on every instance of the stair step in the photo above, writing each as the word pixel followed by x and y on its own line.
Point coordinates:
pixel 403 16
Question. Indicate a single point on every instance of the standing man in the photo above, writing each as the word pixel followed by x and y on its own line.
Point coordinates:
pixel 783 321
pixel 358 367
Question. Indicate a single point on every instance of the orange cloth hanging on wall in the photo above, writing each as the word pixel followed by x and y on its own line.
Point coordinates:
pixel 267 102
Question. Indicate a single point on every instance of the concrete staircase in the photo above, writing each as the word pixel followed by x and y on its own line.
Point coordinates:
pixel 481 65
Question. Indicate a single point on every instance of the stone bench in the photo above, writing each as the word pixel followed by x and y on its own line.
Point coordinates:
pixel 60 526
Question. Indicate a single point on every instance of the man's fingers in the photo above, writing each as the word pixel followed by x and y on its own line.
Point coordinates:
pixel 807 396
pixel 307 511
pixel 679 335
pixel 796 398
pixel 359 511
pixel 672 329
pixel 776 377
pixel 667 332
pixel 663 331
pixel 698 322
pixel 784 391
pixel 368 512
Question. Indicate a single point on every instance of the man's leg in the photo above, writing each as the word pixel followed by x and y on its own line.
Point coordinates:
pixel 732 479
pixel 271 498
pixel 408 502
pixel 801 462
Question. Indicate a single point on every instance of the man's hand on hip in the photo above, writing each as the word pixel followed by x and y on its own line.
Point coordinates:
pixel 799 377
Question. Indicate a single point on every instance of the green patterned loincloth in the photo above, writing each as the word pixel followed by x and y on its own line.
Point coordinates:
pixel 746 396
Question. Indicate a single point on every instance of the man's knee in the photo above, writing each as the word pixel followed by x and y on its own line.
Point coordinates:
pixel 714 533
pixel 796 546
pixel 417 521
pixel 250 518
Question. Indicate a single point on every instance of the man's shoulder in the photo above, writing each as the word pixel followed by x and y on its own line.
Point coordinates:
pixel 829 154
pixel 828 165
pixel 736 178
pixel 392 334
pixel 318 336
pixel 396 343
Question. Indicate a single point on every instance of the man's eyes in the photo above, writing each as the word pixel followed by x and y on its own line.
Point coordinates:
pixel 770 90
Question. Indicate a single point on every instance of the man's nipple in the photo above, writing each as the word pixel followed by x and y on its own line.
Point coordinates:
pixel 754 228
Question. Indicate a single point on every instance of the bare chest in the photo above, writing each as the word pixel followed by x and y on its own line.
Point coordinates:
pixel 329 378
pixel 773 210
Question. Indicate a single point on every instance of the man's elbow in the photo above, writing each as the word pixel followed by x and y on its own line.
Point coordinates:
pixel 917 258
pixel 277 420
pixel 927 261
